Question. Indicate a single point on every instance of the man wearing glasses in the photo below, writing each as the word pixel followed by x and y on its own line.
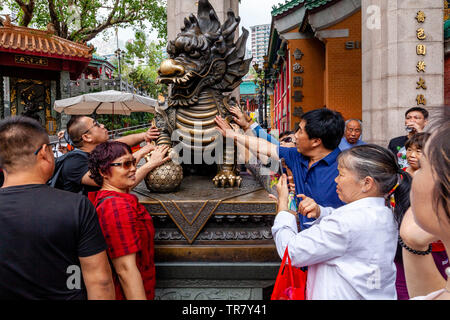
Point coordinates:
pixel 87 133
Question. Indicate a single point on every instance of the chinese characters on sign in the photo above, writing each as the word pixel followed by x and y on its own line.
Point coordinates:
pixel 421 50
pixel 298 96
pixel 297 68
pixel 297 80
pixel 298 54
pixel 30 60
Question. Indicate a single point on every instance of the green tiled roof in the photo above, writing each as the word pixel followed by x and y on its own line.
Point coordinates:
pixel 97 57
pixel 248 87
pixel 447 29
pixel 309 4
pixel 289 4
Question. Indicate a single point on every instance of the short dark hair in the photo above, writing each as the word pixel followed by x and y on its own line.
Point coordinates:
pixel 419 109
pixel 20 137
pixel 418 139
pixel 284 134
pixel 325 124
pixel 75 129
pixel 102 156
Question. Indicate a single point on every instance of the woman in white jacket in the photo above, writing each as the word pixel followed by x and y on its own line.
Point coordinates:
pixel 349 251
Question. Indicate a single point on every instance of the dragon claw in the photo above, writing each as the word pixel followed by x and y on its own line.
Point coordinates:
pixel 227 179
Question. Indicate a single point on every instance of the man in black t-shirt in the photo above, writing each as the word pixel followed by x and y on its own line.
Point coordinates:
pixel 86 133
pixel 51 244
pixel 416 119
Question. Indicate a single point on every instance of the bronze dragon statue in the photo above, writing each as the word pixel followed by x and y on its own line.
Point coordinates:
pixel 204 67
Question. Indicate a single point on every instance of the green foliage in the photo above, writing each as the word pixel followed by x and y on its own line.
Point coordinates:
pixel 127 133
pixel 83 20
pixel 141 62
pixel 120 121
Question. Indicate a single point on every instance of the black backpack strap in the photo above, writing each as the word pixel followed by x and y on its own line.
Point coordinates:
pixel 54 179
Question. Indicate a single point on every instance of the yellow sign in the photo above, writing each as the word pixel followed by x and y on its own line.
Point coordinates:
pixel 421 49
pixel 421 66
pixel 421 34
pixel 421 99
pixel 420 17
pixel 421 84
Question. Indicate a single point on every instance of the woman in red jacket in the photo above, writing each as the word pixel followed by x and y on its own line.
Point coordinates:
pixel 126 224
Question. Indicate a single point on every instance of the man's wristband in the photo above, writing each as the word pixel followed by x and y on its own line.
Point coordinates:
pixel 420 253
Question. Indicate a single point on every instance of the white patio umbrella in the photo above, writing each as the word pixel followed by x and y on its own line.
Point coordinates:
pixel 106 102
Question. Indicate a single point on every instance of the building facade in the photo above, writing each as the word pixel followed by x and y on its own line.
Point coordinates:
pixel 260 42
pixel 314 60
pixel 370 60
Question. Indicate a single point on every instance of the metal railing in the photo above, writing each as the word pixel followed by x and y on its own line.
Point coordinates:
pixel 76 87
pixel 117 132
pixel 54 142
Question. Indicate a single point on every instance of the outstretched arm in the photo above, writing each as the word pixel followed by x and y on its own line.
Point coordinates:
pixel 421 273
pixel 254 144
pixel 134 139
pixel 157 158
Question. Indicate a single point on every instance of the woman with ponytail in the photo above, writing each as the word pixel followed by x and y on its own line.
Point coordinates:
pixel 349 251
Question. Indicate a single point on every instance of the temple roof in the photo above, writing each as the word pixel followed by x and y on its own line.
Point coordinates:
pixel 30 41
pixel 289 4
pixel 447 29
pixel 248 87
pixel 281 8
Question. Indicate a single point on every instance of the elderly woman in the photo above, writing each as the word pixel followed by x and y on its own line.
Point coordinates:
pixel 126 224
pixel 349 251
pixel 429 219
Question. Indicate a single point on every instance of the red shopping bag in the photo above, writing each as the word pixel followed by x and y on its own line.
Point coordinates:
pixel 290 283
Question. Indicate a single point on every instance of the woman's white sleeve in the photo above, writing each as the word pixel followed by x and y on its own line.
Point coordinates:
pixel 321 242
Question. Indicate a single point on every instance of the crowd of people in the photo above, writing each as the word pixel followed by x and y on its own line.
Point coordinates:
pixel 367 222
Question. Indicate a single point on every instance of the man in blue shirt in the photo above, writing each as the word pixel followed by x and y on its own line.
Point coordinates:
pixel 313 162
pixel 352 135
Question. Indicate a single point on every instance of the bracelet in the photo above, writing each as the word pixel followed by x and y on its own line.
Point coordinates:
pixel 420 253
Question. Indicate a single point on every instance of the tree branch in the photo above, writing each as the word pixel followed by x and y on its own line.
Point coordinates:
pixel 27 12
pixel 54 17
pixel 89 34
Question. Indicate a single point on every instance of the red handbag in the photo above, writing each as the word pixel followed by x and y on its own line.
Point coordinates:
pixel 290 283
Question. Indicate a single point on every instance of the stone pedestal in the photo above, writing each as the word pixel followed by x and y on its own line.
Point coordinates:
pixel 389 64
pixel 213 243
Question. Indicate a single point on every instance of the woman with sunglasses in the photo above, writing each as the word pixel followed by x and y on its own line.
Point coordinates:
pixel 126 224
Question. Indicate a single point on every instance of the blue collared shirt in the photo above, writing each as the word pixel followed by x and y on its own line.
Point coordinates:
pixel 344 145
pixel 316 182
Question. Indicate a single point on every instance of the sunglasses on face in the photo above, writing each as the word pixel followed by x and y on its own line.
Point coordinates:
pixel 125 164
pixel 95 124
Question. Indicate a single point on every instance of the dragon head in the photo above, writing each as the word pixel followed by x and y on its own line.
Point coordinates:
pixel 204 55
